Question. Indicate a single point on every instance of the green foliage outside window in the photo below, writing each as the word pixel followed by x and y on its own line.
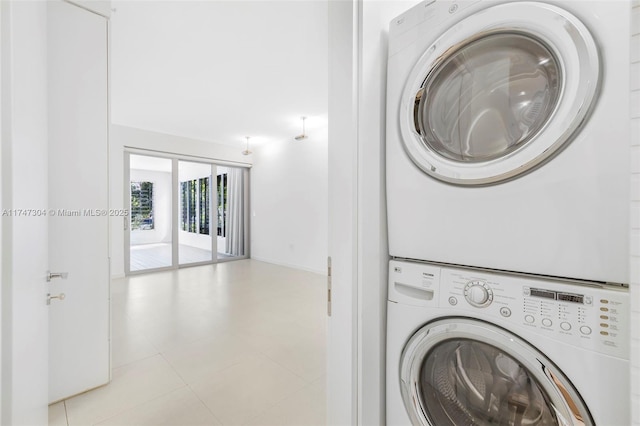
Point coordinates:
pixel 142 206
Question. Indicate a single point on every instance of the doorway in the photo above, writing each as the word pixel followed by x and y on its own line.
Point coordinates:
pixel 183 212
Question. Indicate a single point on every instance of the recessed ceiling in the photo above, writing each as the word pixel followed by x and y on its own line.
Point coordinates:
pixel 219 70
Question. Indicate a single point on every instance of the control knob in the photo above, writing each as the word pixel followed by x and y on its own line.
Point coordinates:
pixel 478 294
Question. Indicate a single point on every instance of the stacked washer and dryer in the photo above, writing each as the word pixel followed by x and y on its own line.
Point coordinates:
pixel 508 213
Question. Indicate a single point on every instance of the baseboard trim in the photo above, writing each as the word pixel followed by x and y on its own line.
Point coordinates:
pixel 289 265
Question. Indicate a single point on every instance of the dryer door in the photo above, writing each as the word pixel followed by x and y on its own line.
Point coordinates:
pixel 499 93
pixel 459 371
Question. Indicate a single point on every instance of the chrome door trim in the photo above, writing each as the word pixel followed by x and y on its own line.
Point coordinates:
pixel 568 405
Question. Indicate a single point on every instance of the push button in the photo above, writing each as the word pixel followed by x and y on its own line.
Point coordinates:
pixel 565 326
pixel 505 312
pixel 547 322
pixel 586 330
pixel 529 318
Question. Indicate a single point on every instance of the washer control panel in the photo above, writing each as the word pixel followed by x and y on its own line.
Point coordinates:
pixel 589 316
pixel 594 317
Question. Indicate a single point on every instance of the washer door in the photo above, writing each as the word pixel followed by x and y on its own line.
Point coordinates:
pixel 459 371
pixel 499 93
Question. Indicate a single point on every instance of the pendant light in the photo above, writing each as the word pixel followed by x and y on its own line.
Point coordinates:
pixel 303 135
pixel 246 151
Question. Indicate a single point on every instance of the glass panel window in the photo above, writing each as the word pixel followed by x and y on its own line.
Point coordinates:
pixel 467 382
pixel 204 206
pixel 192 200
pixel 142 206
pixel 488 98
pixel 184 196
pixel 195 196
pixel 222 204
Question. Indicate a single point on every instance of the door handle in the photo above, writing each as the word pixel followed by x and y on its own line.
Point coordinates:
pixel 52 275
pixel 61 296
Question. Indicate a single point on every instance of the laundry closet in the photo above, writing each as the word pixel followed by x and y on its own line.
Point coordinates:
pixel 507 181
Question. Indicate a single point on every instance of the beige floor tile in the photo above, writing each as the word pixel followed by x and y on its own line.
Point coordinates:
pixel 305 357
pixel 57 415
pixel 320 385
pixel 248 337
pixel 267 331
pixel 121 325
pixel 130 347
pixel 243 391
pixel 174 336
pixel 178 408
pixel 199 360
pixel 304 408
pixel 132 385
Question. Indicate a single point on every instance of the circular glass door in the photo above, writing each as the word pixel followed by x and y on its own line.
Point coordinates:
pixel 499 93
pixel 459 371
pixel 488 98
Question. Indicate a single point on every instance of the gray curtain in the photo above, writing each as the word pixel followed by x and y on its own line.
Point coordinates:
pixel 235 212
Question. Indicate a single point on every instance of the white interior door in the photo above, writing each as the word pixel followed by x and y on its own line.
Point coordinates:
pixel 79 355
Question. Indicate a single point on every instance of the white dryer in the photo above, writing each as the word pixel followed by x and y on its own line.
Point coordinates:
pixel 508 136
pixel 469 347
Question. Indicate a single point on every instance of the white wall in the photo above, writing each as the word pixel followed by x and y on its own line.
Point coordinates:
pixel 161 232
pixel 121 137
pixel 635 214
pixel 288 204
pixel 24 186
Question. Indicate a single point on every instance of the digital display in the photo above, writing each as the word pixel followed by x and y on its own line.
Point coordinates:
pixel 569 297
pixel 538 292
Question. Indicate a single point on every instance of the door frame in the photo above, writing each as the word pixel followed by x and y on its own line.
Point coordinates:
pixel 356 385
pixel 343 360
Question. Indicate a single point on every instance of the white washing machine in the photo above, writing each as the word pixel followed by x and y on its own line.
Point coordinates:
pixel 508 136
pixel 469 347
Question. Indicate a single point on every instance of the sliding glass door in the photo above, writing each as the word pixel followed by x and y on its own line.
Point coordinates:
pixel 194 212
pixel 231 205
pixel 150 213
pixel 184 212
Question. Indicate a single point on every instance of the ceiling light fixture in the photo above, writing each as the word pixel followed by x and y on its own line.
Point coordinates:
pixel 246 151
pixel 303 135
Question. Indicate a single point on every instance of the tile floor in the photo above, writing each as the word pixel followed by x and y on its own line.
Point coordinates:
pixel 238 343
pixel 151 256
